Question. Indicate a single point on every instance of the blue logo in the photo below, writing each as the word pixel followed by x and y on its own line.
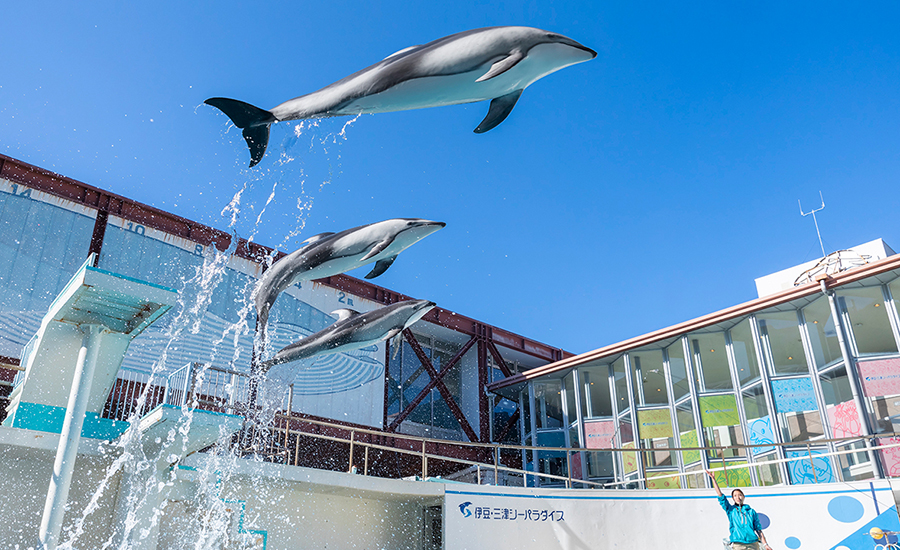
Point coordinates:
pixel 464 509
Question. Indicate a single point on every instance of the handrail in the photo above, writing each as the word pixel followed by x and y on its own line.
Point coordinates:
pixel 194 383
pixel 569 480
pixel 814 442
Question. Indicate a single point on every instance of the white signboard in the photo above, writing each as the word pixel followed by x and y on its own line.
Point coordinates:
pixel 835 516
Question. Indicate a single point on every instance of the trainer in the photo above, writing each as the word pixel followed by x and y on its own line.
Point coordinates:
pixel 743 522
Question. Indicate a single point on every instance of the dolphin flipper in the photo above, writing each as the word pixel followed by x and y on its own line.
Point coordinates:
pixel 380 267
pixel 253 120
pixel 502 66
pixel 378 249
pixel 499 110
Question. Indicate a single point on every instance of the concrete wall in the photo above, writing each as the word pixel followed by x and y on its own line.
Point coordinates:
pixel 290 507
pixel 26 463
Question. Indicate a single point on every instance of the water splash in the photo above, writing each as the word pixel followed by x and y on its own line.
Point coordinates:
pixel 140 486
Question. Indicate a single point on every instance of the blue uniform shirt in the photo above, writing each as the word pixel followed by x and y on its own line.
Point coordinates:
pixel 743 522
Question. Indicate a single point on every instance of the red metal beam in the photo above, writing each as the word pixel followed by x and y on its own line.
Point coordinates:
pixel 498 359
pixel 70 189
pixel 428 387
pixel 445 393
pixel 484 414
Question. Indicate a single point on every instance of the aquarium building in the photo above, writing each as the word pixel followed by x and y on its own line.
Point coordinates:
pixel 809 369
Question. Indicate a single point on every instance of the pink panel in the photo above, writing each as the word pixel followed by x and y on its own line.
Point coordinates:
pixel 890 458
pixel 844 419
pixel 575 464
pixel 600 435
pixel 880 377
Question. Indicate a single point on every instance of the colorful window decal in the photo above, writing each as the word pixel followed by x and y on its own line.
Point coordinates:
pixel 719 410
pixel 760 430
pixel 794 395
pixel 655 423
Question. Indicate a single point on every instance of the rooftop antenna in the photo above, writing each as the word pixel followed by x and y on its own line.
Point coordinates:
pixel 813 212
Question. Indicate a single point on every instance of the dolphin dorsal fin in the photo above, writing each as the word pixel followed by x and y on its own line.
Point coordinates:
pixel 502 66
pixel 404 50
pixel 316 238
pixel 344 314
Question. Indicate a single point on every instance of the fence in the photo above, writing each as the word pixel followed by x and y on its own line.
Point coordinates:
pixel 297 440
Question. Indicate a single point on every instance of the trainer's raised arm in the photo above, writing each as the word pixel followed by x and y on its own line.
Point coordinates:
pixel 715 483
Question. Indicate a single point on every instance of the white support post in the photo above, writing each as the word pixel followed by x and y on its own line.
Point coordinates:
pixel 69 438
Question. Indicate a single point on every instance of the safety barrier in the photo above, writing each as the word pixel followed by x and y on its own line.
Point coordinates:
pixel 222 390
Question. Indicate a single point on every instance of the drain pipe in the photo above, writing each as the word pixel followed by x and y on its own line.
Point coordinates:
pixel 69 438
pixel 851 373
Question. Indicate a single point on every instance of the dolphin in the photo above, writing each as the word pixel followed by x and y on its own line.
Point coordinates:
pixel 353 330
pixel 494 63
pixel 328 254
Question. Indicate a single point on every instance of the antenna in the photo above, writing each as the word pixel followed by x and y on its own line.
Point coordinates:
pixel 813 212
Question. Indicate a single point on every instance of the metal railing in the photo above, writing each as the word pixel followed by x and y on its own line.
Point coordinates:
pixel 207 387
pixel 223 390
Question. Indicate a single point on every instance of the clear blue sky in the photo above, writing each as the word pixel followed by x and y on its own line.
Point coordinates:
pixel 641 189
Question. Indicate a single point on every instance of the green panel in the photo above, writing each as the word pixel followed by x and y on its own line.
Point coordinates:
pixel 719 410
pixel 655 423
pixel 738 477
pixel 690 439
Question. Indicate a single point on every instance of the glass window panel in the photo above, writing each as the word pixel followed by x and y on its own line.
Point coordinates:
pixel 551 462
pixel 628 461
pixel 548 404
pixel 621 385
pixel 695 477
pixel 885 409
pixel 780 332
pixel 869 321
pixel 767 471
pixel 811 466
pixel 721 425
pixel 569 382
pixel 655 429
pixel 680 384
pixel 600 465
pixel 797 410
pixel 502 414
pixel 687 432
pixel 744 353
pixel 650 374
pixel 444 422
pixel 822 333
pixel 759 423
pixel 710 358
pixel 854 466
pixel 595 382
pixel 526 415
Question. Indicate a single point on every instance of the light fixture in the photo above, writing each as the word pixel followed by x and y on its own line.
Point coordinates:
pixel 876 305
pixel 712 350
pixel 815 322
pixel 790 358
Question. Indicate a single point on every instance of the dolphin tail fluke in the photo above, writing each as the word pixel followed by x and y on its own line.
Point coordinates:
pixel 499 110
pixel 252 120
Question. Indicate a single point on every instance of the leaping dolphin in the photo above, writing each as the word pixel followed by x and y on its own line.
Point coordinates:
pixel 353 330
pixel 494 63
pixel 329 254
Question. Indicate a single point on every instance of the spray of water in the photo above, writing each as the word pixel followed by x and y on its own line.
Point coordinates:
pixel 148 470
